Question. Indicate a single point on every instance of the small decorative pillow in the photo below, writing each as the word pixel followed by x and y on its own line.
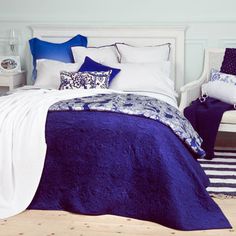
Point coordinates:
pixel 229 62
pixel 148 54
pixel 91 65
pixel 54 51
pixel 218 76
pixel 103 54
pixel 84 80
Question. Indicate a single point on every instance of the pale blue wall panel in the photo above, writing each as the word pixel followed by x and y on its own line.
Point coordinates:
pixel 209 23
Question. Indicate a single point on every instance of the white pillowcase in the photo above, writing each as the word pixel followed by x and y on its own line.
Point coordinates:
pixel 48 72
pixel 102 55
pixel 220 90
pixel 143 77
pixel 149 54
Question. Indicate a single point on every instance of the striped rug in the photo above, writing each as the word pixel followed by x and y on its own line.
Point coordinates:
pixel 222 174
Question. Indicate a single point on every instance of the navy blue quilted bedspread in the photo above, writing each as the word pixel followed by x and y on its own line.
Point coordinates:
pixel 101 162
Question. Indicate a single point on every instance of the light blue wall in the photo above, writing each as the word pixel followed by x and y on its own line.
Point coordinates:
pixel 210 23
pixel 143 11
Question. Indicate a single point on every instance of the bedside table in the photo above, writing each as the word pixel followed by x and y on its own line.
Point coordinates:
pixel 10 81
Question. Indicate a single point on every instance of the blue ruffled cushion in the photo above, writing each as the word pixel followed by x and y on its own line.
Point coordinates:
pixel 55 51
pixel 91 65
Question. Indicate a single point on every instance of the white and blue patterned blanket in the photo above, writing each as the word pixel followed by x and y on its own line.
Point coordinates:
pixel 140 106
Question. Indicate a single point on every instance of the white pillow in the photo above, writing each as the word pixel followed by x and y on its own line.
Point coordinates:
pixel 48 72
pixel 220 90
pixel 102 55
pixel 149 54
pixel 143 77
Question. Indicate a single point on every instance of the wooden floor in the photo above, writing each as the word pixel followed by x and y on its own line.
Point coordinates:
pixel 48 223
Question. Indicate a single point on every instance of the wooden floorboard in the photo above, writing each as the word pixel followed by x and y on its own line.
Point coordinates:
pixel 48 223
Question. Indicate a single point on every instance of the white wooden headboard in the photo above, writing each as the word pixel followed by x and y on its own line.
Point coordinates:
pixel 140 36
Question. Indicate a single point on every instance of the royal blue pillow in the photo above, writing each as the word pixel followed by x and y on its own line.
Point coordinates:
pixel 55 51
pixel 91 65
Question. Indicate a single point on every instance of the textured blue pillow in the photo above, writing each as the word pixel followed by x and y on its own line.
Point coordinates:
pixel 55 51
pixel 229 63
pixel 91 65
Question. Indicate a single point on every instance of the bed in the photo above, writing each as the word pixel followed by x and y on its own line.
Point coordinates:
pixel 105 151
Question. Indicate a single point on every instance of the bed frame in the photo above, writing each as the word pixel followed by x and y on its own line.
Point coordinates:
pixel 140 36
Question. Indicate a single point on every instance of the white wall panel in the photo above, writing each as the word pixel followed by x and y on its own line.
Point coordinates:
pixel 209 23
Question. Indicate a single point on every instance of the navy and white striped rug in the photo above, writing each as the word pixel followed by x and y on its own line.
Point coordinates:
pixel 222 174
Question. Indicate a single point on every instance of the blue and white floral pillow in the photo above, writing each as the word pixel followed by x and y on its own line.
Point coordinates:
pixel 85 80
pixel 219 76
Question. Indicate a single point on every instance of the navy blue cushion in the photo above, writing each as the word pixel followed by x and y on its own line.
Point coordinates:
pixel 91 65
pixel 229 63
pixel 55 51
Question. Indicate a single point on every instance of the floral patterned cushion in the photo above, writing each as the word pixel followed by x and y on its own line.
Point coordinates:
pixel 85 80
pixel 227 78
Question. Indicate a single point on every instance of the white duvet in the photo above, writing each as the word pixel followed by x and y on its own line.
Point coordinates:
pixel 22 143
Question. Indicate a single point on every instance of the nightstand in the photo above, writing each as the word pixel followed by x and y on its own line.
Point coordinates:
pixel 10 81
